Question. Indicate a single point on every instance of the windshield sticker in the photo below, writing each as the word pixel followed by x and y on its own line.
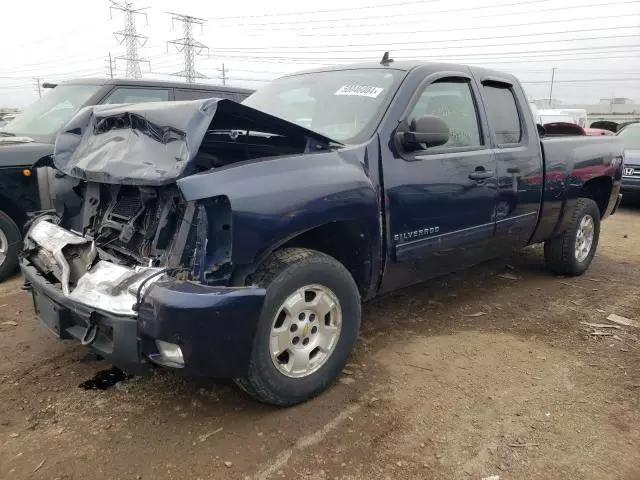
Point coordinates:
pixel 359 90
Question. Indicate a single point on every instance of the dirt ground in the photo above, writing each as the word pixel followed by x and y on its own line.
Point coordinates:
pixel 523 391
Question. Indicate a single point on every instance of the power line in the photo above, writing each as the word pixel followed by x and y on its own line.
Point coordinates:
pixel 325 49
pixel 470 58
pixel 331 10
pixel 44 39
pixel 520 54
pixel 483 7
pixel 305 33
pixel 188 46
pixel 130 38
pixel 269 25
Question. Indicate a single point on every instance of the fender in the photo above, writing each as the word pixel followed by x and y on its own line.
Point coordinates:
pixel 19 192
pixel 586 159
pixel 275 199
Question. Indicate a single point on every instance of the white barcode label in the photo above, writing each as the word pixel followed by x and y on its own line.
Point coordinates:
pixel 359 90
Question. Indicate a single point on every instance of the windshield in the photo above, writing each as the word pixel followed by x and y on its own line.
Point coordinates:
pixel 345 105
pixel 49 114
pixel 631 137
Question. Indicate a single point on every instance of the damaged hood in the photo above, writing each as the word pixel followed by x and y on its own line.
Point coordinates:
pixel 155 143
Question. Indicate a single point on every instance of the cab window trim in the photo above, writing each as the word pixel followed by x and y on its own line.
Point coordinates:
pixel 506 85
pixel 403 124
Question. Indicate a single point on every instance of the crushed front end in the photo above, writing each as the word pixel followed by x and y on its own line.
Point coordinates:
pixel 127 266
pixel 118 270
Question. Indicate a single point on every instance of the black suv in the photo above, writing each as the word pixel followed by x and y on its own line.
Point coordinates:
pixel 31 135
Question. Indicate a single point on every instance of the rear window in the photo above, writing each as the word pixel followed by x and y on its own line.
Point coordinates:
pixel 502 113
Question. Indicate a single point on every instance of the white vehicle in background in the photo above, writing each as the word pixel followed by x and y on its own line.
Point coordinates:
pixel 577 116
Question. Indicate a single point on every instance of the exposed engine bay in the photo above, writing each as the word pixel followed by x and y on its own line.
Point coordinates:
pixel 136 226
pixel 111 240
pixel 120 223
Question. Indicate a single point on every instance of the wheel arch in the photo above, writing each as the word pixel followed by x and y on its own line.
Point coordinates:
pixel 599 190
pixel 351 242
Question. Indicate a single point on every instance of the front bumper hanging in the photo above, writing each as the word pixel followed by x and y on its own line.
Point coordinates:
pixel 212 328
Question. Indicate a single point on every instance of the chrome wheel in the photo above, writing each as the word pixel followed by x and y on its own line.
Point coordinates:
pixel 584 238
pixel 4 246
pixel 305 331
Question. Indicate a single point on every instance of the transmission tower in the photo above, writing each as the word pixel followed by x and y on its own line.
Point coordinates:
pixel 130 38
pixel 188 45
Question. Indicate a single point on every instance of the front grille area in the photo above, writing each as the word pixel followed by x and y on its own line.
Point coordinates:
pixel 631 171
pixel 127 206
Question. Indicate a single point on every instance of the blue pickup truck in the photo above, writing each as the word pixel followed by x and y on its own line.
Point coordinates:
pixel 238 240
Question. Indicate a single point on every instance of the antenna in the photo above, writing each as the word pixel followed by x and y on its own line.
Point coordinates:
pixel 385 59
pixel 188 45
pixel 130 38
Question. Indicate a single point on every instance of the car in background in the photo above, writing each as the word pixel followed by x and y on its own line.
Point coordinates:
pixel 6 118
pixel 577 116
pixel 597 131
pixel 630 135
pixel 31 135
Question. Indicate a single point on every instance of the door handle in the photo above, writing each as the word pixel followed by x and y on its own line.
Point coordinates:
pixel 481 174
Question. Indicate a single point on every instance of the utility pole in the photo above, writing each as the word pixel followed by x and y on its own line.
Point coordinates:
pixel 223 75
pixel 38 86
pixel 110 67
pixel 553 76
pixel 130 38
pixel 188 45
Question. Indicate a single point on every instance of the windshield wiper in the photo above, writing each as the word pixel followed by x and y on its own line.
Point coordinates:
pixel 7 134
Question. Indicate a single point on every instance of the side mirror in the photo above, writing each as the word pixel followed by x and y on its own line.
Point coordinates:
pixel 426 130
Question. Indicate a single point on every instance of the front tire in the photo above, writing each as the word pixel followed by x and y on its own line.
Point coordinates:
pixel 10 244
pixel 307 329
pixel 571 253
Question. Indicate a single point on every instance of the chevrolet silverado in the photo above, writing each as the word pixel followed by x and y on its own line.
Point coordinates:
pixel 238 240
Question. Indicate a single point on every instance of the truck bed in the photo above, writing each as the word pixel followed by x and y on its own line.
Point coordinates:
pixel 570 162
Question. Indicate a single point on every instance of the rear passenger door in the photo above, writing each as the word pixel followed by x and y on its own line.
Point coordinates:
pixel 519 163
pixel 441 200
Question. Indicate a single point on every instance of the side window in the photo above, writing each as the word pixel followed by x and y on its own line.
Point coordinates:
pixel 185 94
pixel 502 113
pixel 451 100
pixel 138 95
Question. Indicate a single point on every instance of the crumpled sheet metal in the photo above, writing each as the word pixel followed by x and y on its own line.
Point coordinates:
pixel 53 239
pixel 112 287
pixel 106 286
pixel 154 144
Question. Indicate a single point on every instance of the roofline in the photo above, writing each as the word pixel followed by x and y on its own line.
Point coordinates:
pixel 150 82
pixel 407 66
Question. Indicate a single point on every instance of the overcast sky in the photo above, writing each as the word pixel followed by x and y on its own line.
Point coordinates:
pixel 594 45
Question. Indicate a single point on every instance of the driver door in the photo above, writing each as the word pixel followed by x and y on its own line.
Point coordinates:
pixel 441 200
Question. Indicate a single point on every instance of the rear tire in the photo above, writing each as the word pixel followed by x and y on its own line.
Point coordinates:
pixel 301 286
pixel 10 245
pixel 571 252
